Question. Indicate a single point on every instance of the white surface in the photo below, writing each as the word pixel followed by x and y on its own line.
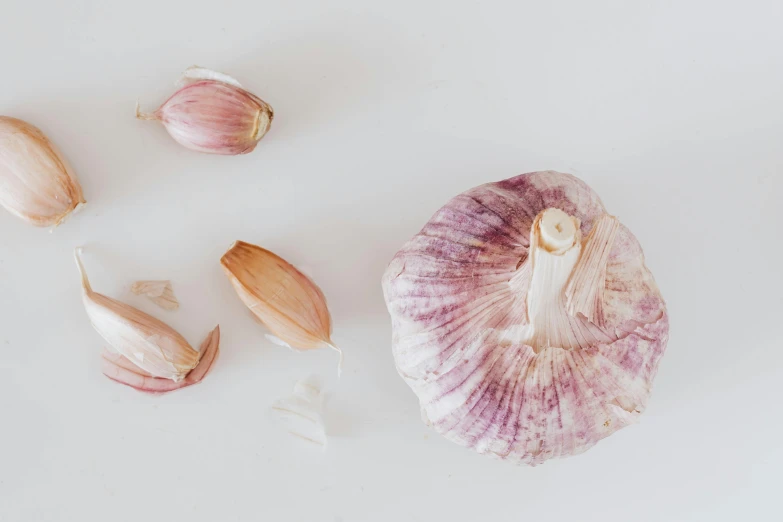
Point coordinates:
pixel 672 111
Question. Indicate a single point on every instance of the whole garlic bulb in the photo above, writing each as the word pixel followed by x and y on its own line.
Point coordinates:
pixel 525 319
pixel 36 183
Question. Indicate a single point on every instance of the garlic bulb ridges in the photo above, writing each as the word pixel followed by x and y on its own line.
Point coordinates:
pixel 525 320
pixel 36 182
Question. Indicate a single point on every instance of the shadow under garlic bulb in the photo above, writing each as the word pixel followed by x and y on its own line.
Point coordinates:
pixel 525 319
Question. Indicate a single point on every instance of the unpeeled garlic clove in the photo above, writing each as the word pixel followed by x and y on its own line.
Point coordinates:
pixel 36 182
pixel 285 300
pixel 212 113
pixel 118 368
pixel 146 342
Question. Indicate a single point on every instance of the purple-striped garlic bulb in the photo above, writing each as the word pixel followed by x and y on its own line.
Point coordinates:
pixel 212 113
pixel 525 319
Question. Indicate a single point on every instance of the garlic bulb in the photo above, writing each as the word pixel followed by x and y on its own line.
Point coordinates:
pixel 525 319
pixel 147 347
pixel 285 300
pixel 212 113
pixel 36 183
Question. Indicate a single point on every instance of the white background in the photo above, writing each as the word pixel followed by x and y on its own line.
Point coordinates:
pixel 672 111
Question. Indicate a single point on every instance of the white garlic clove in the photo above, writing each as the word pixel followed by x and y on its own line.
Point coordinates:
pixel 36 182
pixel 145 341
pixel 522 340
pixel 211 113
pixel 118 368
pixel 159 292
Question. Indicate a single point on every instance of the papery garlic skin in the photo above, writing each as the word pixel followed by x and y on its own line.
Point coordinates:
pixel 495 375
pixel 147 342
pixel 36 182
pixel 303 411
pixel 211 113
pixel 285 300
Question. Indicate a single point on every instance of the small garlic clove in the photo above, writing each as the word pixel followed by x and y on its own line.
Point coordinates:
pixel 149 343
pixel 36 182
pixel 303 411
pixel 211 113
pixel 118 368
pixel 159 292
pixel 285 300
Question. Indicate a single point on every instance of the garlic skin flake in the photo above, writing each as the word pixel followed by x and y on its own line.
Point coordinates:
pixel 146 342
pixel 303 411
pixel 285 300
pixel 159 292
pixel 525 319
pixel 36 182
pixel 212 113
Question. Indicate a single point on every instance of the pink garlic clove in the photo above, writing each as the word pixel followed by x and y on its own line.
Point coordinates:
pixel 120 369
pixel 211 113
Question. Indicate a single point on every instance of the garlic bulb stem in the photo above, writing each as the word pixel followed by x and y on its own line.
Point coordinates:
pixel 567 280
pixel 557 230
pixel 554 251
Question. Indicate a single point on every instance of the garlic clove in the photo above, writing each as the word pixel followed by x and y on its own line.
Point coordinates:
pixel 118 368
pixel 285 300
pixel 147 342
pixel 303 411
pixel 159 292
pixel 211 113
pixel 522 341
pixel 36 182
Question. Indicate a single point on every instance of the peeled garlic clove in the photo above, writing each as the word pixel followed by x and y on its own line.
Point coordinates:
pixel 212 113
pixel 303 411
pixel 159 292
pixel 525 319
pixel 36 183
pixel 118 368
pixel 147 342
pixel 285 300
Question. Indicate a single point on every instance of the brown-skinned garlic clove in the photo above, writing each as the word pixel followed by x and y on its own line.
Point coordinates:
pixel 525 319
pixel 281 297
pixel 36 182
